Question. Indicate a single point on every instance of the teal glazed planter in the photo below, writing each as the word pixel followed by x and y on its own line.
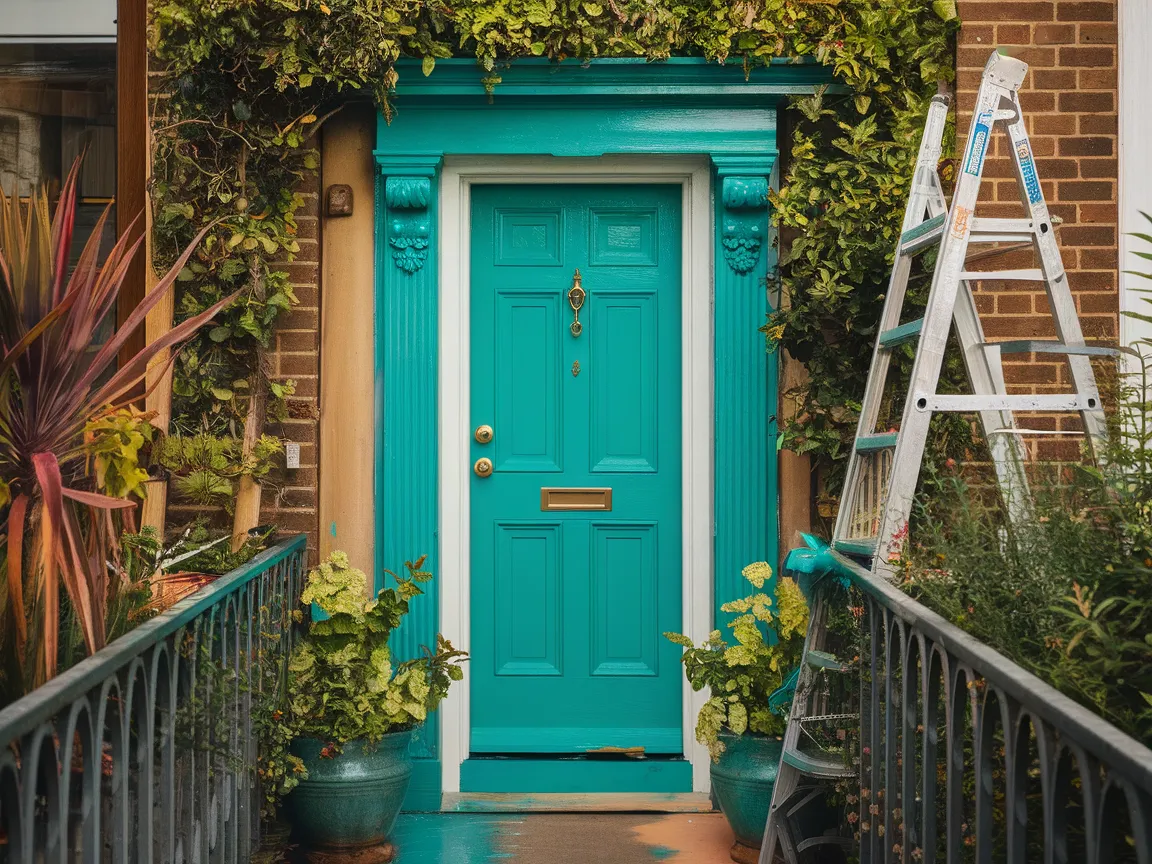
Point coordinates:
pixel 742 781
pixel 346 808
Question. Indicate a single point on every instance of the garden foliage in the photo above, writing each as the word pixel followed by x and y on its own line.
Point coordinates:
pixel 769 635
pixel 248 83
pixel 1066 595
pixel 343 682
pixel 64 405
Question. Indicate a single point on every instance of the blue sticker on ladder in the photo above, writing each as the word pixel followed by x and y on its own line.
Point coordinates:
pixel 978 146
pixel 1028 172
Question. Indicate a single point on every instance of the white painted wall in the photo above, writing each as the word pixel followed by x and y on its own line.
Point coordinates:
pixel 57 20
pixel 1135 186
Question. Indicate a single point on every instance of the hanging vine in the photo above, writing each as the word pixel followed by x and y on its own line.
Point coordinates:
pixel 244 85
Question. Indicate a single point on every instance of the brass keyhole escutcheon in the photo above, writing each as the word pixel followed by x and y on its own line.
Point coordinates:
pixel 483 434
pixel 576 297
pixel 483 467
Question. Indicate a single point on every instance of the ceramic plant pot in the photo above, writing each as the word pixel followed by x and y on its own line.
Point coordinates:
pixel 346 808
pixel 742 782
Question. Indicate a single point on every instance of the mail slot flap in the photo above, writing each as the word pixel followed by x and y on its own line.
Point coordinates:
pixel 575 498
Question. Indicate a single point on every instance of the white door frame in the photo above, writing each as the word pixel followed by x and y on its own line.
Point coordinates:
pixel 458 176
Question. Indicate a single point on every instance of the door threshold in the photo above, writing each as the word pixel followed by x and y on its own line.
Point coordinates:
pixel 578 802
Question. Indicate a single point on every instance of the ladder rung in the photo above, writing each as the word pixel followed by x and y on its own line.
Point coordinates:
pixel 1051 346
pixel 825 840
pixel 873 443
pixel 899 335
pixel 815 767
pixel 1041 402
pixel 822 660
pixel 923 235
pixel 865 547
pixel 1030 275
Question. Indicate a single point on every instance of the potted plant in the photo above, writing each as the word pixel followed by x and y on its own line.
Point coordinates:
pixel 747 710
pixel 340 747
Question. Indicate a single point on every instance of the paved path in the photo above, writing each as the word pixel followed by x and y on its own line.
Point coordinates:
pixel 550 838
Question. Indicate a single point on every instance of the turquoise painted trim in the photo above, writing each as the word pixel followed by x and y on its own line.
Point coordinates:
pixel 575 775
pixel 874 443
pixel 746 378
pixel 424 791
pixel 407 470
pixel 863 548
pixel 899 335
pixel 610 105
pixel 622 76
pixel 925 227
pixel 571 126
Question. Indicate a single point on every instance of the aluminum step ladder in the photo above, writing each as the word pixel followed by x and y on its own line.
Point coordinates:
pixel 884 466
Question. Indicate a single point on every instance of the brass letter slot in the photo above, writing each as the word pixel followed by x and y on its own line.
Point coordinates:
pixel 575 498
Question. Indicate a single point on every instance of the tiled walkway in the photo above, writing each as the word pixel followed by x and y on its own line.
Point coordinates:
pixel 548 838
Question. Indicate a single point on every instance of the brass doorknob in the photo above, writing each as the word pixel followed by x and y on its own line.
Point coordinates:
pixel 483 434
pixel 483 467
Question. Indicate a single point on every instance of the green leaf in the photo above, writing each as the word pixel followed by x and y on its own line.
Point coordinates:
pixel 428 64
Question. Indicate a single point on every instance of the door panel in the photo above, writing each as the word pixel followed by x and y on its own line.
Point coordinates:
pixel 568 606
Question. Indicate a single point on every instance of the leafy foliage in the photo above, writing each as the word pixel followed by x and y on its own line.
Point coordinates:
pixel 769 637
pixel 343 683
pixel 249 82
pixel 203 466
pixel 113 442
pixel 57 396
pixel 1066 596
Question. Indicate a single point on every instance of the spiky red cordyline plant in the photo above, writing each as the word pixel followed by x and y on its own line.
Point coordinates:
pixel 51 384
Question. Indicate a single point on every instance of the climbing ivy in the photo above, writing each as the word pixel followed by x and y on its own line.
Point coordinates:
pixel 245 84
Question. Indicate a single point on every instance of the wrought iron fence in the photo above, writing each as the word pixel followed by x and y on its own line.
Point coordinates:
pixel 965 756
pixel 146 751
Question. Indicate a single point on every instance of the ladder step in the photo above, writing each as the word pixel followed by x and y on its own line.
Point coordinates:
pixel 816 767
pixel 923 235
pixel 865 546
pixel 873 443
pixel 899 335
pixel 986 229
pixel 822 660
pixel 1052 346
pixel 1030 275
pixel 1030 402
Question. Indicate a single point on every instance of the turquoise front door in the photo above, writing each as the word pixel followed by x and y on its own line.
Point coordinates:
pixel 576 530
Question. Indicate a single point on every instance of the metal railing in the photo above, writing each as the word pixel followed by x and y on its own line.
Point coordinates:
pixel 146 751
pixel 965 756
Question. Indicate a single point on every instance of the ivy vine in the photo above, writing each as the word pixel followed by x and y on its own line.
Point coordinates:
pixel 244 85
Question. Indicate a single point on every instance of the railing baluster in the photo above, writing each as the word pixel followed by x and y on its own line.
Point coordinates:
pixel 109 762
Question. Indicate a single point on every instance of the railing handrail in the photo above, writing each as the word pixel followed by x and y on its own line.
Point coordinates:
pixel 28 712
pixel 1123 753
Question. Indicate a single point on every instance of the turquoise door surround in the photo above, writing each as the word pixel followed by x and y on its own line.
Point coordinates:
pixel 568 606
pixel 682 107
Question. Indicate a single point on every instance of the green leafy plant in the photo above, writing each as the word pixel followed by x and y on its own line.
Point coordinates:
pixel 113 442
pixel 769 633
pixel 203 467
pixel 1065 595
pixel 343 681
pixel 53 387
pixel 249 82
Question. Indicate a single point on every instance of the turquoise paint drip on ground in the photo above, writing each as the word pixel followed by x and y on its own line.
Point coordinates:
pixel 661 852
pixel 423 838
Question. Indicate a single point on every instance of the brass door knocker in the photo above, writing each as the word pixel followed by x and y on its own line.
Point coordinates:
pixel 576 297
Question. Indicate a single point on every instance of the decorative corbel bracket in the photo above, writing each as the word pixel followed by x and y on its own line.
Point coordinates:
pixel 409 231
pixel 745 200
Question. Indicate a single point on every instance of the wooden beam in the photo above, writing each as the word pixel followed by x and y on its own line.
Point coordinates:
pixel 132 151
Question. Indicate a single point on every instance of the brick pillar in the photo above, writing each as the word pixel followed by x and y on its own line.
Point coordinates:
pixel 1070 100
pixel 296 357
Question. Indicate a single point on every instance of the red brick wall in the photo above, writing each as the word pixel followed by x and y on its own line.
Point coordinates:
pixel 1070 99
pixel 296 357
